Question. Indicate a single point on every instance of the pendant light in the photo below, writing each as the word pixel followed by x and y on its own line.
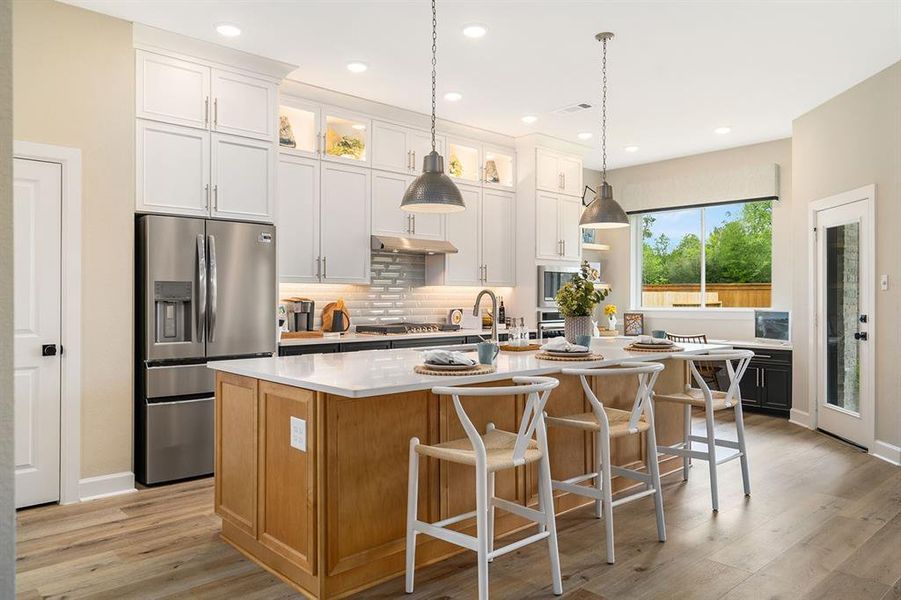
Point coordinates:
pixel 604 212
pixel 433 191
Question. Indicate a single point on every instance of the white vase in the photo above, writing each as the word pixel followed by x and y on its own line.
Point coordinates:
pixel 611 322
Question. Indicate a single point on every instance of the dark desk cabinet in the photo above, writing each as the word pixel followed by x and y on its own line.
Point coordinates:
pixel 767 384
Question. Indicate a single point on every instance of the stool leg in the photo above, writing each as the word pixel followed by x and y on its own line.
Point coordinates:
pixel 654 470
pixel 598 480
pixel 608 494
pixel 482 528
pixel 711 457
pixel 546 500
pixel 412 502
pixel 740 429
pixel 686 460
pixel 491 511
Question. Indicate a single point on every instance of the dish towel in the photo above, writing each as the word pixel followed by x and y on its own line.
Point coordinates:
pixel 446 357
pixel 559 344
pixel 646 339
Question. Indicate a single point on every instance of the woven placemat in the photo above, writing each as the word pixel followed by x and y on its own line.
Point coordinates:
pixel 592 356
pixel 527 348
pixel 631 348
pixel 480 370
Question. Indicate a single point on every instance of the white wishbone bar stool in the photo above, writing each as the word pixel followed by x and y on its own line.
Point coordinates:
pixel 608 423
pixel 494 451
pixel 711 401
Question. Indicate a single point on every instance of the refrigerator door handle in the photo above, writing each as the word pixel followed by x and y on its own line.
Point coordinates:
pixel 201 288
pixel 214 290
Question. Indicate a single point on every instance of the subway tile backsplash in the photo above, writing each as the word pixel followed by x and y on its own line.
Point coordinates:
pixel 397 292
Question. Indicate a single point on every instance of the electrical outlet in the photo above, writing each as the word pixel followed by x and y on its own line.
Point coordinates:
pixel 299 434
pixel 883 283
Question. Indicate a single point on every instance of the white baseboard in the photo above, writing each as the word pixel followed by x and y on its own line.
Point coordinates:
pixel 91 488
pixel 800 418
pixel 887 452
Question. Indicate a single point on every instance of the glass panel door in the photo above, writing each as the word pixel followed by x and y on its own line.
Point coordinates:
pixel 842 316
pixel 298 129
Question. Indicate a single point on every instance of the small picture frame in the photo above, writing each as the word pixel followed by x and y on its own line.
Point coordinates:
pixel 633 324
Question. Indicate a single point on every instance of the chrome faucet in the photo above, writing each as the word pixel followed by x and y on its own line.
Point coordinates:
pixel 475 312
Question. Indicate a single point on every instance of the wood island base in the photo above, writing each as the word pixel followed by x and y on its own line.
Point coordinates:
pixel 329 518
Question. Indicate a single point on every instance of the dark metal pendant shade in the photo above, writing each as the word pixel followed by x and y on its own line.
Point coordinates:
pixel 433 191
pixel 604 212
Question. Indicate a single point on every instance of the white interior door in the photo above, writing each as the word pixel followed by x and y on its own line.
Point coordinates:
pixel 37 199
pixel 844 275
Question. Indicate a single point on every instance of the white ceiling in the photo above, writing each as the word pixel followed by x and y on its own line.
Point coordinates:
pixel 676 70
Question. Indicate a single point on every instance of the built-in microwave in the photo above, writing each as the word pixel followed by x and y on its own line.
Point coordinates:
pixel 551 278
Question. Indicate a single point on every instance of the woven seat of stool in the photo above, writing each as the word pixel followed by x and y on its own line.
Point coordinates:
pixel 498 445
pixel 618 419
pixel 695 397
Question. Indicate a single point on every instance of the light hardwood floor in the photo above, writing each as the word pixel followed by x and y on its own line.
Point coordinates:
pixel 824 521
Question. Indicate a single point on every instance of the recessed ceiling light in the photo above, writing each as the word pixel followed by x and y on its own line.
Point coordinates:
pixel 228 30
pixel 529 119
pixel 475 30
pixel 358 126
pixel 585 135
pixel 453 96
pixel 357 67
pixel 631 148
pixel 722 130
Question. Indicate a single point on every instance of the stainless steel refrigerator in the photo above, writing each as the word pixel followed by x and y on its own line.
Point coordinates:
pixel 204 290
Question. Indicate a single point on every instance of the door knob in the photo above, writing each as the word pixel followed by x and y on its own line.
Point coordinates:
pixel 48 350
pixel 860 335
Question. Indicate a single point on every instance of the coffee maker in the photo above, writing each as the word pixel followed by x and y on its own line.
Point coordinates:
pixel 303 313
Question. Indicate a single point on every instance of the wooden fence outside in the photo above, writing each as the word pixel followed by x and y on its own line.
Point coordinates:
pixel 754 295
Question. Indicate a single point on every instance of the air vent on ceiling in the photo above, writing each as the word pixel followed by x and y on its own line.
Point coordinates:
pixel 572 109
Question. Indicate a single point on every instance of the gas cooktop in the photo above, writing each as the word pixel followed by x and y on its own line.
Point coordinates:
pixel 402 328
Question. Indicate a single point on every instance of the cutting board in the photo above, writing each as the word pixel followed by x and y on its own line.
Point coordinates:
pixel 328 314
pixel 296 335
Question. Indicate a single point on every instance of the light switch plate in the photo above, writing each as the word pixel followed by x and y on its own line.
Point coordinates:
pixel 883 283
pixel 299 434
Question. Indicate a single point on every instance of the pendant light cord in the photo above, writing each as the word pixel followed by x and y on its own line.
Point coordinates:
pixel 603 114
pixel 434 66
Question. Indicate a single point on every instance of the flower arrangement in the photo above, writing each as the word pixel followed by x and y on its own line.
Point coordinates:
pixel 456 167
pixel 579 296
pixel 347 146
pixel 610 309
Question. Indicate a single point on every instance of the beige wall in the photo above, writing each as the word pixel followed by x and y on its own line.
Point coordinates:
pixel 851 141
pixel 74 86
pixel 616 263
pixel 7 522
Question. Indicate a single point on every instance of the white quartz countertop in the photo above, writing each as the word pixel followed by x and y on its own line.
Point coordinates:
pixel 380 372
pixel 353 338
pixel 755 344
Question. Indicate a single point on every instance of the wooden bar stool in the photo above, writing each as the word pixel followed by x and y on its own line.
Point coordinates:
pixel 494 451
pixel 711 401
pixel 609 423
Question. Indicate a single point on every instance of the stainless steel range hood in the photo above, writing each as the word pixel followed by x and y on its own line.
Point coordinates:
pixel 387 243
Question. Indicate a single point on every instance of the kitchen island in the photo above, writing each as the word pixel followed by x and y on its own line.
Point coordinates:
pixel 311 455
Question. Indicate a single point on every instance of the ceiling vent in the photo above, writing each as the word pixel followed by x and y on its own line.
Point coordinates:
pixel 572 109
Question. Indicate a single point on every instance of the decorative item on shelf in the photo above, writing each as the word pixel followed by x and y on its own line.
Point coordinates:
pixel 491 175
pixel 345 145
pixel 456 167
pixel 577 299
pixel 633 323
pixel 588 236
pixel 455 316
pixel 610 311
pixel 285 133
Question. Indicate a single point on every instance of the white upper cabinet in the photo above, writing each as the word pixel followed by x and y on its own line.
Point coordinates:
pixel 557 172
pixel 172 90
pixel 243 105
pixel 243 178
pixel 345 223
pixel 387 217
pixel 429 226
pixel 389 148
pixel 172 169
pixel 558 236
pixel 298 127
pixel 464 232
pixel 498 242
pixel 345 136
pixel 419 143
pixel 297 219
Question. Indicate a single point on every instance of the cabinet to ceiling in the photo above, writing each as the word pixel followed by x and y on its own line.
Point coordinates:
pixel 558 172
pixel 557 235
pixel 325 132
pixel 471 162
pixel 401 149
pixel 388 218
pixel 484 237
pixel 323 220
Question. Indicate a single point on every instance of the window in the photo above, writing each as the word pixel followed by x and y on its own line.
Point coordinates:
pixel 716 256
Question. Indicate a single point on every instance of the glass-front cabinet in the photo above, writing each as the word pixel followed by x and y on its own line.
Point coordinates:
pixel 463 160
pixel 498 167
pixel 298 128
pixel 345 136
